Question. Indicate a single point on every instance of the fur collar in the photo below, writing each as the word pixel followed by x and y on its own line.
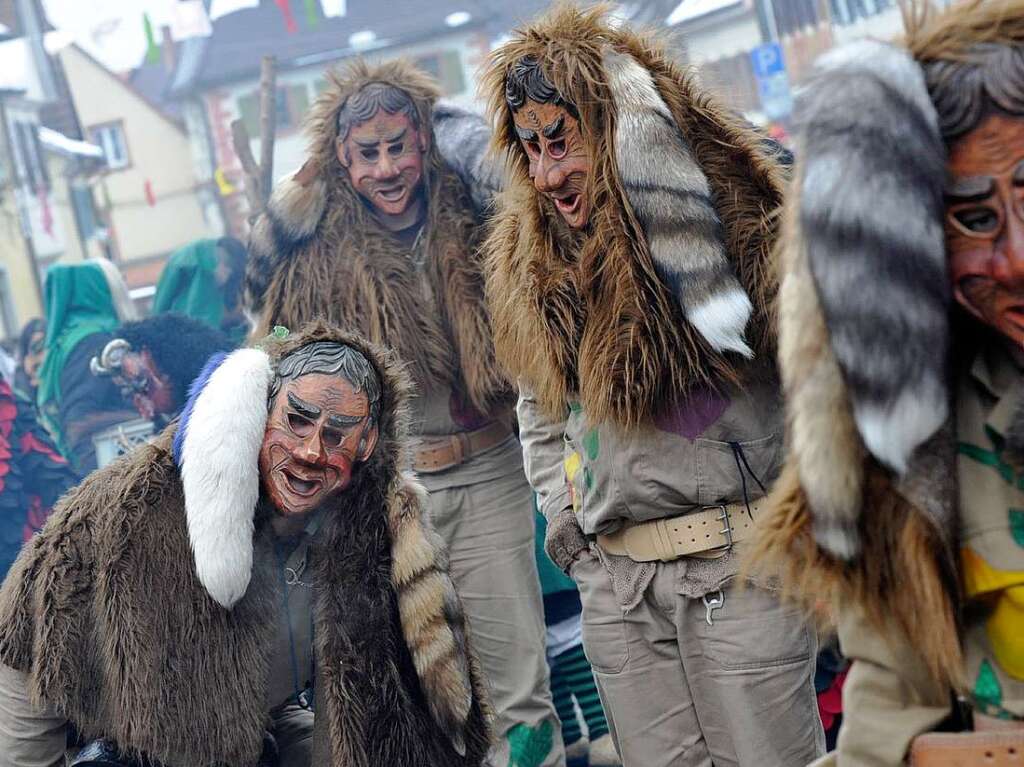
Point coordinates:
pixel 390 632
pixel 318 252
pixel 623 316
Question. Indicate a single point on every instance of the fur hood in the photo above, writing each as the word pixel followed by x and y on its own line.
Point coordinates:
pixel 864 512
pixel 142 611
pixel 319 252
pixel 632 313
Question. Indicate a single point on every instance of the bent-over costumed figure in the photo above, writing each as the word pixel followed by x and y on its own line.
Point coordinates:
pixel 196 601
pixel 630 285
pixel 379 233
pixel 900 503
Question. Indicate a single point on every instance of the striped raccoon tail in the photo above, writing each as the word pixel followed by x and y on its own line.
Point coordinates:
pixel 431 614
pixel 863 301
pixel 671 199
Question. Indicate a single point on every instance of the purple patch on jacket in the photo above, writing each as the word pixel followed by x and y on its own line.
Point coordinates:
pixel 694 415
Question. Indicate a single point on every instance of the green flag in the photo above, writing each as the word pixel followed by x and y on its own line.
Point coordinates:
pixel 312 14
pixel 152 49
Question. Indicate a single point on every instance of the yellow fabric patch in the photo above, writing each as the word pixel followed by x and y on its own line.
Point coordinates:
pixel 1005 626
pixel 573 463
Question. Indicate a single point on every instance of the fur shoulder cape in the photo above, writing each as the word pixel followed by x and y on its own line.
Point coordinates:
pixel 318 252
pixel 864 513
pixel 106 613
pixel 608 315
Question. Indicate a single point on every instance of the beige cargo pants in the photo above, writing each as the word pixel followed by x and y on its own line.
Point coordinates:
pixel 489 528
pixel 679 692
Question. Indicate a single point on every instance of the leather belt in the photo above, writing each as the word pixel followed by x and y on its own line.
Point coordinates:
pixel 434 454
pixel 710 531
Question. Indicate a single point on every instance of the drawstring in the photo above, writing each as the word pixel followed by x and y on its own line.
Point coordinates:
pixel 738 455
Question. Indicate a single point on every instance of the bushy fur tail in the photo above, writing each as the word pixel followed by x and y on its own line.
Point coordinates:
pixel 433 623
pixel 871 207
pixel 671 199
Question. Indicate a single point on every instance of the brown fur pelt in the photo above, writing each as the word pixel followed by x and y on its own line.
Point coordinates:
pixel 950 34
pixel 906 576
pixel 586 314
pixel 319 252
pixel 105 613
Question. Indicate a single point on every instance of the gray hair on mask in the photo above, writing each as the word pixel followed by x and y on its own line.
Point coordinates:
pixel 989 80
pixel 333 359
pixel 370 99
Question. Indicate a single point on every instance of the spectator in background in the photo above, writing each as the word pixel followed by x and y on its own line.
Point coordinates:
pixel 31 353
pixel 204 280
pixel 33 475
pixel 85 302
pixel 154 361
pixel 572 679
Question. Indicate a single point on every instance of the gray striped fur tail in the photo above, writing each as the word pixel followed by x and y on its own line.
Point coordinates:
pixel 670 196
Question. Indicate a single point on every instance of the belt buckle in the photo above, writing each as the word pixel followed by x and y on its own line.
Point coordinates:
pixel 726 527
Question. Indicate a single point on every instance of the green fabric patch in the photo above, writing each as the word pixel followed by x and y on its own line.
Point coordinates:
pixel 1017 525
pixel 588 479
pixel 986 686
pixel 992 459
pixel 592 444
pixel 530 746
pixel 575 408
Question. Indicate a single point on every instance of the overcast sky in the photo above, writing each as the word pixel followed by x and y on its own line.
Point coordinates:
pixel 111 30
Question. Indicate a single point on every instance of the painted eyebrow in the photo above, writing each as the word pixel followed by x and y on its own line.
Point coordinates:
pixel 371 144
pixel 303 408
pixel 552 130
pixel 397 137
pixel 971 188
pixel 526 134
pixel 343 421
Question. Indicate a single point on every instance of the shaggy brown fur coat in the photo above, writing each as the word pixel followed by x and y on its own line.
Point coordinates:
pixel 906 572
pixel 319 252
pixel 585 314
pixel 105 613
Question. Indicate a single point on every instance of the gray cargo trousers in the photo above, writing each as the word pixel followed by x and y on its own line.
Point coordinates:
pixel 680 692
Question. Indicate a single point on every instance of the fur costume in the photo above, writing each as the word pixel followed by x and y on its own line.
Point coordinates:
pixel 139 615
pixel 318 251
pixel 653 298
pixel 864 513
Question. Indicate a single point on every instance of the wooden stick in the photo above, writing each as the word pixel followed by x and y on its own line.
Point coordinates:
pixel 251 179
pixel 268 124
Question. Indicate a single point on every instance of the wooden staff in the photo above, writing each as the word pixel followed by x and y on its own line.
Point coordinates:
pixel 258 179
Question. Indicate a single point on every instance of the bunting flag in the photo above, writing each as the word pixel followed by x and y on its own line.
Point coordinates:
pixel 220 8
pixel 289 18
pixel 312 14
pixel 224 185
pixel 150 195
pixel 333 8
pixel 152 49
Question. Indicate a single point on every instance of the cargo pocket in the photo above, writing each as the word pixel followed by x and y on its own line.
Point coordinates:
pixel 722 471
pixel 754 629
pixel 604 631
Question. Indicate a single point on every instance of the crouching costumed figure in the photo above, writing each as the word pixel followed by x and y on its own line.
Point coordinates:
pixel 902 351
pixel 264 558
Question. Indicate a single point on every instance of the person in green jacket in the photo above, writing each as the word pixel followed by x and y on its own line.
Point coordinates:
pixel 203 280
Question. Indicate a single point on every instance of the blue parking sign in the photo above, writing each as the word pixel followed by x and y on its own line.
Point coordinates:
pixel 772 81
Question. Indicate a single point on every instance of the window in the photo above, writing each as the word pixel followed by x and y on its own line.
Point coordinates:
pixel 446 68
pixel 110 138
pixel 292 102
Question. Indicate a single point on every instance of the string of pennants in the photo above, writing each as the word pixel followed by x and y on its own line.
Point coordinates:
pixel 190 18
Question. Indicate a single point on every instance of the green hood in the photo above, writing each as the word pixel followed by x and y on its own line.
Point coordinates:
pixel 78 304
pixel 188 284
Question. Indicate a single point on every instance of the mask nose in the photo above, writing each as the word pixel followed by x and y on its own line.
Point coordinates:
pixel 311 449
pixel 1008 266
pixel 549 176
